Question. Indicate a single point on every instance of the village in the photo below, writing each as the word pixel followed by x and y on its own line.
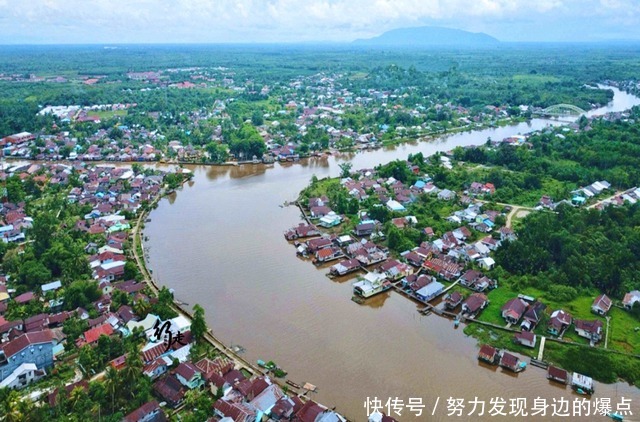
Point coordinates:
pixel 304 117
pixel 123 324
pixel 449 270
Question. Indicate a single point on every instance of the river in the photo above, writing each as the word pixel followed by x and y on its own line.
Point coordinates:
pixel 218 242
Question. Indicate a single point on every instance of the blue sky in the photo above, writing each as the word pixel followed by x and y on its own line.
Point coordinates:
pixel 228 21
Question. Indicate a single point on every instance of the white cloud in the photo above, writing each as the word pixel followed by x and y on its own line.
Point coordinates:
pixel 292 20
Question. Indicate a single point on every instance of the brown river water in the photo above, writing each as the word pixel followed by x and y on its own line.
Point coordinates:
pixel 219 242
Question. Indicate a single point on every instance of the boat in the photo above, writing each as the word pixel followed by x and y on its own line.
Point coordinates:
pixel 371 284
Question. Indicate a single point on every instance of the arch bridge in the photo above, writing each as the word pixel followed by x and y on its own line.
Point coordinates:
pixel 562 110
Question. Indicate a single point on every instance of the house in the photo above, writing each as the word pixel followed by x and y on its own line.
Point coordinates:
pixel 328 254
pixel 394 270
pixel 413 258
pixel 601 305
pixel 631 298
pixel 214 370
pixel 364 229
pixel 344 267
pixel 526 338
pixel 51 287
pixel 25 298
pixel 532 316
pixel 507 234
pixel 487 263
pixel 170 390
pixel 488 354
pixel 22 376
pixel 148 412
pixel 416 282
pixel 513 310
pixel 31 348
pixel 285 408
pixel 330 220
pixel 509 361
pixel 238 412
pixel 452 300
pixel 446 195
pixel 157 367
pixel 474 304
pixel 469 277
pixel 559 322
pixel 265 396
pixel 189 375
pixel 395 206
pixel 320 211
pixel 557 374
pixel 92 335
pixel 430 291
pixel 591 330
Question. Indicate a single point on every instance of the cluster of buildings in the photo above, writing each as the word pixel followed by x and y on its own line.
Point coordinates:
pixel 135 144
pixel 421 271
pixel 317 102
pixel 528 313
pixel 30 347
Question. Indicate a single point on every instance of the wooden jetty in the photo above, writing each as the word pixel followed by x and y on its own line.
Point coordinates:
pixel 539 363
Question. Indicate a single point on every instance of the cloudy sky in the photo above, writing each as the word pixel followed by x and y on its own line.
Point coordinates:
pixel 224 21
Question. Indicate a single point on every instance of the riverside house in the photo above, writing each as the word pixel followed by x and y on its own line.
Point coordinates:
pixel 474 304
pixel 513 310
pixel 601 305
pixel 591 330
pixel 559 322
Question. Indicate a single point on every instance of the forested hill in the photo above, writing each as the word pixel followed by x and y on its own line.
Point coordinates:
pixel 429 36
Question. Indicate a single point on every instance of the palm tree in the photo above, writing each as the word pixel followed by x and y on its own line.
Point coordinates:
pixel 112 384
pixel 12 411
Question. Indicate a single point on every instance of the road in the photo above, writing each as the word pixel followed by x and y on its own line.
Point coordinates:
pixel 605 200
pixel 517 211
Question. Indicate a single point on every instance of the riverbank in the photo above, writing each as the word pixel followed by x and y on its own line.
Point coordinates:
pixel 220 241
pixel 406 228
pixel 240 363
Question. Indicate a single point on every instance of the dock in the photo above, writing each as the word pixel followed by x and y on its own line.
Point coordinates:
pixel 539 363
pixel 428 307
pixel 541 351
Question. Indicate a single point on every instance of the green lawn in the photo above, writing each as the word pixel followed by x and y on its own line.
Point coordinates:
pixel 107 114
pixel 623 336
pixel 499 338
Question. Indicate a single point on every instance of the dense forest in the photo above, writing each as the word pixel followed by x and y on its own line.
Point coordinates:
pixel 578 248
pixel 530 75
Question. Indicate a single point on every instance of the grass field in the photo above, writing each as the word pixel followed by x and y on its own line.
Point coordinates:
pixel 107 114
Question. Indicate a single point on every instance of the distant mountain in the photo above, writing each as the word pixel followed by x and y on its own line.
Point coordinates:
pixel 429 36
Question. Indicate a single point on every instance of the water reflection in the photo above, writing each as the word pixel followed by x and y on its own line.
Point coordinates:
pixel 376 301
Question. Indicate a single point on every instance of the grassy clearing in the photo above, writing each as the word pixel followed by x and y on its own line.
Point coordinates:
pixel 107 114
pixel 499 338
pixel 594 362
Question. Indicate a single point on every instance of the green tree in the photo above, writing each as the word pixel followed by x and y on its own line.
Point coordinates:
pixel 198 324
pixel 345 169
pixel 217 153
